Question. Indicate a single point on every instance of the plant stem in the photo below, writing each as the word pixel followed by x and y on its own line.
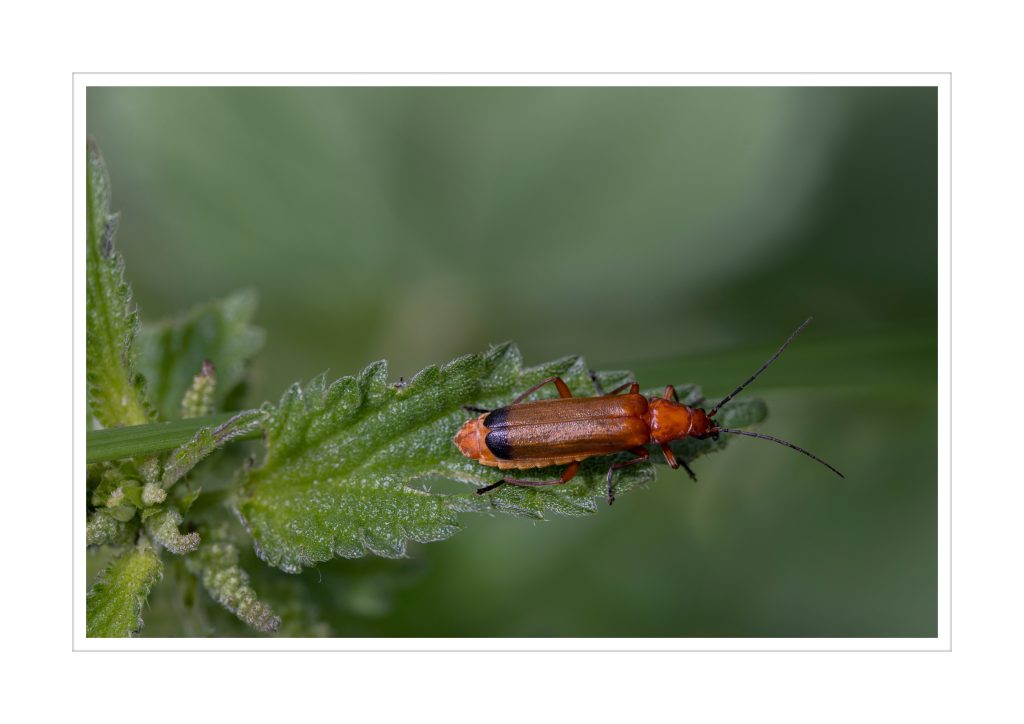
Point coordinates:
pixel 140 440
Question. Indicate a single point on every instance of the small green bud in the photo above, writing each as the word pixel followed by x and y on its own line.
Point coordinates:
pixel 153 494
pixel 164 529
pixel 123 513
pixel 103 528
pixel 116 498
pixel 150 469
pixel 198 399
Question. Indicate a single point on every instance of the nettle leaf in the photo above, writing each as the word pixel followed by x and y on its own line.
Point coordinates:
pixel 115 391
pixel 114 605
pixel 340 460
pixel 172 353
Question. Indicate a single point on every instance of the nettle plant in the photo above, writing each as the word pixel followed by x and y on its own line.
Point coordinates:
pixel 342 470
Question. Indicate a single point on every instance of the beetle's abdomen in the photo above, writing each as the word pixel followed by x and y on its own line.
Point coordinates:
pixel 567 429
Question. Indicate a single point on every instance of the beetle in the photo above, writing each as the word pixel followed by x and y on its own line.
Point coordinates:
pixel 567 430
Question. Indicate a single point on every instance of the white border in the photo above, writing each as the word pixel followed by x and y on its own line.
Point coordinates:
pixel 941 81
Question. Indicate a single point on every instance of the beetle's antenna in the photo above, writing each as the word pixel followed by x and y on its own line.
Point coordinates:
pixel 780 441
pixel 763 367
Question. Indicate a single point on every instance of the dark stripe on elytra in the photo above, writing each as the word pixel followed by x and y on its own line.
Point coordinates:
pixel 498 418
pixel 497 443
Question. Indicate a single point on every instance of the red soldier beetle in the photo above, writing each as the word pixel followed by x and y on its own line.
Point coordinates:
pixel 567 430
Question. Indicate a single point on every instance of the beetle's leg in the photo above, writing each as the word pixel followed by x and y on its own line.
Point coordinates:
pixel 670 391
pixel 673 463
pixel 600 388
pixel 634 388
pixel 568 474
pixel 470 408
pixel 489 488
pixel 563 389
pixel 670 457
pixel 642 455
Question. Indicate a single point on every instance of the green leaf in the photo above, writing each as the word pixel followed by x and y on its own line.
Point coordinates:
pixel 115 390
pixel 335 480
pixel 216 565
pixel 173 352
pixel 114 605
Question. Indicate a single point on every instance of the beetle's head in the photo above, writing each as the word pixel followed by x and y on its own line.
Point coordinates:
pixel 701 425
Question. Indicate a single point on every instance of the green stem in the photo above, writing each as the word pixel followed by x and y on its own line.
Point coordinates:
pixel 140 440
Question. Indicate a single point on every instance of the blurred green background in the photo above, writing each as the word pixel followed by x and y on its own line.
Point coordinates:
pixel 682 233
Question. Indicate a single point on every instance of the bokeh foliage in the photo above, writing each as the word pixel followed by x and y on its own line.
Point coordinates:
pixel 680 233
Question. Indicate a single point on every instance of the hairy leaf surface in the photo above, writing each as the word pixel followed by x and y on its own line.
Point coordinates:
pixel 115 390
pixel 114 605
